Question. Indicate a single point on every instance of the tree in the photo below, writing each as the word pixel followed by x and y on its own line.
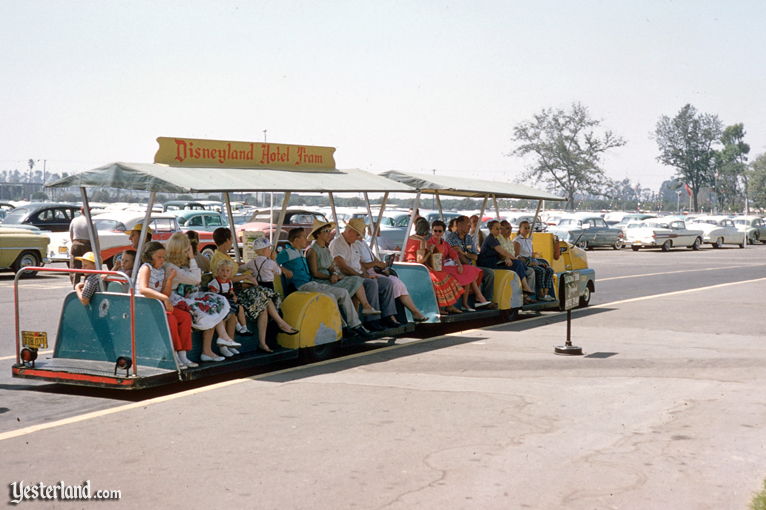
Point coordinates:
pixel 757 180
pixel 731 166
pixel 686 142
pixel 567 147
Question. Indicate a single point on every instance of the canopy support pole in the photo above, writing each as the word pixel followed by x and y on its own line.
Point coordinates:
pixel 334 213
pixel 144 229
pixel 497 208
pixel 475 233
pixel 379 221
pixel 282 214
pixel 92 235
pixel 373 227
pixel 439 203
pixel 409 225
pixel 233 227
pixel 537 215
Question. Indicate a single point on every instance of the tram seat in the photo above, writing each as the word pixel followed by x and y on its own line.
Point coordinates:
pixel 120 287
pixel 101 330
pixel 317 317
pixel 418 282
pixel 507 290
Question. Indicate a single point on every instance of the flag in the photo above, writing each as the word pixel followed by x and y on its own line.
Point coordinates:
pixel 688 189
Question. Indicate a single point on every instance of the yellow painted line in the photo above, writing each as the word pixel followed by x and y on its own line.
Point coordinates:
pixel 105 412
pixel 3 358
pixel 676 272
pixel 135 405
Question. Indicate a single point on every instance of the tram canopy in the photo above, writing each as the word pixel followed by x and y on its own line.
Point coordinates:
pixel 171 179
pixel 467 187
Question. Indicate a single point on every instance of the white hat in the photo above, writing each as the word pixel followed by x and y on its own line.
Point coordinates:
pixel 261 242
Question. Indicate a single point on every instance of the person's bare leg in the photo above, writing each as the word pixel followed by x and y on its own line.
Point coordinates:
pixel 477 293
pixel 274 314
pixel 410 305
pixel 362 297
pixel 241 316
pixel 231 322
pixel 263 322
pixel 220 328
pixel 207 343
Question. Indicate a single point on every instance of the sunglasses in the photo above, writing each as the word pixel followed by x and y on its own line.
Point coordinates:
pixel 325 230
pixel 437 231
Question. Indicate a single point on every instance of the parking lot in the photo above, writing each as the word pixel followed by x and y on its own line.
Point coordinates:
pixel 665 410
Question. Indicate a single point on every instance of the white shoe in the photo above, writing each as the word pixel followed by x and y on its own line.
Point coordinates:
pixel 205 357
pixel 225 351
pixel 483 303
pixel 233 351
pixel 548 298
pixel 242 329
pixel 182 365
pixel 191 364
pixel 228 343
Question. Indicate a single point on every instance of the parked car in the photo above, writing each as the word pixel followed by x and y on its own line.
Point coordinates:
pixel 200 220
pixel 48 216
pixel 588 232
pixel 660 233
pixel 181 205
pixel 753 226
pixel 260 221
pixel 718 230
pixel 21 248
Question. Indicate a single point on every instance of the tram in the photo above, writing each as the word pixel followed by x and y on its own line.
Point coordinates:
pixel 122 340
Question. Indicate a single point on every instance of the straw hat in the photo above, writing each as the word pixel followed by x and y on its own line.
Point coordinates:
pixel 318 225
pixel 138 226
pixel 358 225
pixel 88 257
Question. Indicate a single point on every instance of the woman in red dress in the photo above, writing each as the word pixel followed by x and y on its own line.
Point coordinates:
pixel 466 275
pixel 446 288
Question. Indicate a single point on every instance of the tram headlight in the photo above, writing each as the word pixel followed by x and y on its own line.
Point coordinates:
pixel 123 363
pixel 28 355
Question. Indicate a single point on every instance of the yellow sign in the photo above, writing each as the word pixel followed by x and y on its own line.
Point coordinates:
pixel 191 152
pixel 36 339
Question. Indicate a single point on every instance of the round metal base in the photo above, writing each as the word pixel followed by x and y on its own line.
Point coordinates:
pixel 568 350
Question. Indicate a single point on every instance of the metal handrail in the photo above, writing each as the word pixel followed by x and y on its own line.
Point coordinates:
pixel 118 274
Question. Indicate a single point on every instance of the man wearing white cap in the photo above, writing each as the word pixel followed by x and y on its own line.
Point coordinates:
pixel 379 289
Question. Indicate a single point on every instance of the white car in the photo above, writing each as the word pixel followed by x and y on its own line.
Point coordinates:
pixel 661 233
pixel 111 239
pixel 718 230
pixel 753 226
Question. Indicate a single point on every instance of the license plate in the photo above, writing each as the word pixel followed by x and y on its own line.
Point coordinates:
pixel 36 339
pixel 63 249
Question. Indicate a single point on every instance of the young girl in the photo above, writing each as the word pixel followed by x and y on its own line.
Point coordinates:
pixel 154 281
pixel 223 285
pixel 208 310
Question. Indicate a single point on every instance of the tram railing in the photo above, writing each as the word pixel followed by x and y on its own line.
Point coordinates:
pixel 118 274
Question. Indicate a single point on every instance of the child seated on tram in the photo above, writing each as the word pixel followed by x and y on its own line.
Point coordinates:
pixel 90 286
pixel 264 266
pixel 223 285
pixel 128 260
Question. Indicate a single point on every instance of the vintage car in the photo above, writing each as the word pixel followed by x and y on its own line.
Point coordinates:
pixel 200 220
pixel 753 226
pixel 661 233
pixel 21 248
pixel 587 232
pixel 48 216
pixel 718 230
pixel 261 221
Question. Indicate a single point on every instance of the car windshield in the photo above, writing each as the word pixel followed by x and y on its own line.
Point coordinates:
pixel 104 224
pixel 16 216
pixel 742 222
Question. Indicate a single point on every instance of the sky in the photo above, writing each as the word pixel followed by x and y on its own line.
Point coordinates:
pixel 419 86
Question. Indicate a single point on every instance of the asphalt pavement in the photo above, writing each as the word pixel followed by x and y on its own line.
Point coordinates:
pixel 665 410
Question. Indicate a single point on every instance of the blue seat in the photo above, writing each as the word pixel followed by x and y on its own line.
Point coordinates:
pixel 101 330
pixel 418 282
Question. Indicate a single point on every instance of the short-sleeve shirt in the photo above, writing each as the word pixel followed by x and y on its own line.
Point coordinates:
pixel 351 253
pixel 466 244
pixel 296 262
pixel 220 287
pixel 488 257
pixel 217 258
pixel 90 286
pixel 264 268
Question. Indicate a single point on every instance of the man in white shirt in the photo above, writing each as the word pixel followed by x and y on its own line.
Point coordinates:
pixel 379 289
pixel 80 244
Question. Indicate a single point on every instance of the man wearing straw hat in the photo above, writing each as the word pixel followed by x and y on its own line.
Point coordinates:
pixel 347 256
